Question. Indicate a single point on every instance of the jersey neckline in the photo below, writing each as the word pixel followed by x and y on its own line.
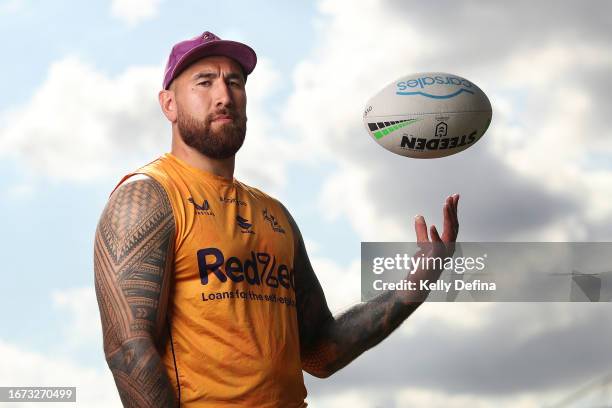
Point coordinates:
pixel 199 172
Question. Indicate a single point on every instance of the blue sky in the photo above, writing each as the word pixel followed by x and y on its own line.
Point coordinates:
pixel 52 222
pixel 53 226
pixel 38 33
pixel 79 110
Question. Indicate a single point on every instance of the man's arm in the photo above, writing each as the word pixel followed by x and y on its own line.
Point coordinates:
pixel 329 343
pixel 133 257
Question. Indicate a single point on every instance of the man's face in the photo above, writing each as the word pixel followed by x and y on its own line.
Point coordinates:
pixel 211 106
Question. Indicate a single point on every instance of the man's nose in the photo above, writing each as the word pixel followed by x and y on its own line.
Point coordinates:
pixel 223 95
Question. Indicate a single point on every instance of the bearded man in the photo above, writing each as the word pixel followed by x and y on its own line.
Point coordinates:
pixel 206 294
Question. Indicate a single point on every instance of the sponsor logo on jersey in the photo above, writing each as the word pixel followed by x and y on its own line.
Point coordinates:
pixel 245 225
pixel 203 209
pixel 273 221
pixel 229 200
pixel 260 268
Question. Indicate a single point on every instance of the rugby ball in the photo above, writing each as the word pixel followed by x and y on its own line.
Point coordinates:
pixel 428 115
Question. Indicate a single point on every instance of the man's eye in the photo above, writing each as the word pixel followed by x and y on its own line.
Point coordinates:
pixel 236 83
pixel 205 83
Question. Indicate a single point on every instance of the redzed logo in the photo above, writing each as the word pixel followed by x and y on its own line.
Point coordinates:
pixel 261 268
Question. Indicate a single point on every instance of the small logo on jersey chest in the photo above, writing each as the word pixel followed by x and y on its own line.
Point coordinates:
pixel 245 226
pixel 203 209
pixel 229 200
pixel 268 216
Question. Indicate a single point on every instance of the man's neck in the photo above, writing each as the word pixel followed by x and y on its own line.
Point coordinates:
pixel 219 167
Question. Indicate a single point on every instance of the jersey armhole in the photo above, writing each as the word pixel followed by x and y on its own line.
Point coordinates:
pixel 144 176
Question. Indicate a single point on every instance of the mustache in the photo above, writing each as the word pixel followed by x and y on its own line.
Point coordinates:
pixel 224 112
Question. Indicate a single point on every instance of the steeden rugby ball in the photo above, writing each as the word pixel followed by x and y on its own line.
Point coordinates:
pixel 428 115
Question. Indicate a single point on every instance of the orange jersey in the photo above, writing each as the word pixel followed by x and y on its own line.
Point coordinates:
pixel 233 330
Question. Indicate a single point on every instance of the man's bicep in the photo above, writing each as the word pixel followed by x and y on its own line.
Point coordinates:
pixel 312 309
pixel 133 257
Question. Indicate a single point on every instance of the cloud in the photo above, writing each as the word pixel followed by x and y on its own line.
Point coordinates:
pixel 355 398
pixel 83 327
pixel 529 178
pixel 341 284
pixel 265 142
pixel 468 354
pixel 388 397
pixel 545 351
pixel 133 12
pixel 539 174
pixel 82 125
pixel 461 25
pixel 20 367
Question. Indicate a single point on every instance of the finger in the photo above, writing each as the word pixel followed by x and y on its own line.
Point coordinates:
pixel 453 213
pixel 450 200
pixel 456 202
pixel 435 237
pixel 420 226
pixel 448 231
pixel 438 246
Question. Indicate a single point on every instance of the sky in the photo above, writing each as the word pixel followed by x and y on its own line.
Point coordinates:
pixel 79 110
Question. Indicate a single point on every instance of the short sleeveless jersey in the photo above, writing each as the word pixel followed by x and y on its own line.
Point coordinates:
pixel 233 331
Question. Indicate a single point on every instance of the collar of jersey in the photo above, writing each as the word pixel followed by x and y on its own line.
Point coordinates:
pixel 198 173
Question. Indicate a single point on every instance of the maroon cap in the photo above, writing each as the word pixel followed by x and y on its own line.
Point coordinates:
pixel 187 52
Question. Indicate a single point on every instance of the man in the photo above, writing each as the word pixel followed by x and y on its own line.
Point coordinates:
pixel 206 293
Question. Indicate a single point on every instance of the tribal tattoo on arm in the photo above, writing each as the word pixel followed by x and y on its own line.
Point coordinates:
pixel 133 257
pixel 328 343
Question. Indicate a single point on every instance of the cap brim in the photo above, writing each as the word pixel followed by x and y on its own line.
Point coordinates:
pixel 241 53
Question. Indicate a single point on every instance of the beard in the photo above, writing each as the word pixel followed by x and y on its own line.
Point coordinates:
pixel 219 143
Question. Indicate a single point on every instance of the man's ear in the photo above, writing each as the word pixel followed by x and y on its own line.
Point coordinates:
pixel 167 101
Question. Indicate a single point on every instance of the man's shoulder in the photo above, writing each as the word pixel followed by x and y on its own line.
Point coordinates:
pixel 150 171
pixel 139 193
pixel 139 186
pixel 137 211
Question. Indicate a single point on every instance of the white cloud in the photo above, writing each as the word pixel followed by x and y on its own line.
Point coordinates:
pixel 83 326
pixel 341 284
pixel 415 397
pixel 349 185
pixel 263 160
pixel 83 125
pixel 422 397
pixel 95 387
pixel 135 11
pixel 353 398
pixel 547 122
pixel 525 180
pixel 410 396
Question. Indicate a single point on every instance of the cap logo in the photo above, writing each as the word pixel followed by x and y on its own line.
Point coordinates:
pixel 207 35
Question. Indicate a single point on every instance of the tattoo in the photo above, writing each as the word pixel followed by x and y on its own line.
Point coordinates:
pixel 329 343
pixel 133 265
pixel 341 340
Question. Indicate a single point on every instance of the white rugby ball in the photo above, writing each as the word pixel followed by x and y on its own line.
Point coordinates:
pixel 428 115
